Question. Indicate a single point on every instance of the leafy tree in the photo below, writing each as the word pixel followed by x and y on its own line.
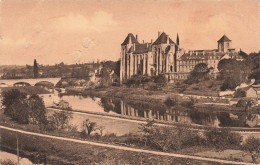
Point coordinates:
pixel 171 102
pixel 230 83
pixel 89 126
pixel 37 109
pixel 9 97
pixel 60 119
pixel 19 111
pixel 199 73
pixel 167 138
pixel 247 104
pixel 35 69
pixel 222 138
pixel 252 147
pixel 160 79
pixel 240 93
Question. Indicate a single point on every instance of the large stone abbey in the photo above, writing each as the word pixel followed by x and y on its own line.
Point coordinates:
pixel 164 56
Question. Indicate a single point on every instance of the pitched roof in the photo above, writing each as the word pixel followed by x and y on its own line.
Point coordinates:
pixel 29 90
pixel 224 38
pixel 133 39
pixel 142 48
pixel 162 39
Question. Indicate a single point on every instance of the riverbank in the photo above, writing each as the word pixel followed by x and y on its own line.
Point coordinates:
pixel 128 140
pixel 155 99
pixel 161 122
pixel 59 150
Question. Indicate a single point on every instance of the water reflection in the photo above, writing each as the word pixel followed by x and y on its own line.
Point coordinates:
pixel 161 112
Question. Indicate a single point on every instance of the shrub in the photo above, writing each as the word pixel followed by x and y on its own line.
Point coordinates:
pixel 190 103
pixel 169 102
pixel 252 147
pixel 7 162
pixel 168 138
pixel 240 93
pixel 60 120
pixel 222 138
pixel 247 104
pixel 229 84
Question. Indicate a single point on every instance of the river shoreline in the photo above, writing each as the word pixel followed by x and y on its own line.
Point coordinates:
pixel 159 122
pixel 155 98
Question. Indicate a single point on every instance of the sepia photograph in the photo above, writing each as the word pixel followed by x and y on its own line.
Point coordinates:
pixel 129 82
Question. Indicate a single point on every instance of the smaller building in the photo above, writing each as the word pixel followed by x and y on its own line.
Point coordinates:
pixel 249 91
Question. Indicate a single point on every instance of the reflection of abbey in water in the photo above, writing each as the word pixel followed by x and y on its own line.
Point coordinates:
pixel 168 115
pixel 201 117
pixel 164 56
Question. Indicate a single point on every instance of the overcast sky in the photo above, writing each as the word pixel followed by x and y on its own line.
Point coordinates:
pixel 70 31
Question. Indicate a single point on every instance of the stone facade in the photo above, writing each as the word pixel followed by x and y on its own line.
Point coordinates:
pixel 166 57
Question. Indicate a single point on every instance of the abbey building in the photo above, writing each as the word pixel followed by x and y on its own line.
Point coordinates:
pixel 164 56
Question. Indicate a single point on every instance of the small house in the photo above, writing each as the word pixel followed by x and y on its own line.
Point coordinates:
pixel 250 92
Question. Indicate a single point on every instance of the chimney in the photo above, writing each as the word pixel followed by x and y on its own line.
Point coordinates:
pixel 147 44
pixel 159 33
pixel 136 36
pixel 167 39
pixel 190 53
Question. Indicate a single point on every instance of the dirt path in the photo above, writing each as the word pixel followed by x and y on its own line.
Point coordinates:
pixel 124 148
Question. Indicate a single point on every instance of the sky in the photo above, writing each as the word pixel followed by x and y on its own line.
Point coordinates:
pixel 78 31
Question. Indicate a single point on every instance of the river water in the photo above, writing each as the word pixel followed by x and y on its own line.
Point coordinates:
pixel 124 108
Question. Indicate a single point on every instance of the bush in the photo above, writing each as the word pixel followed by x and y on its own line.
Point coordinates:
pixel 223 138
pixel 60 119
pixel 168 138
pixel 240 93
pixel 247 104
pixel 7 162
pixel 229 84
pixel 252 147
pixel 190 103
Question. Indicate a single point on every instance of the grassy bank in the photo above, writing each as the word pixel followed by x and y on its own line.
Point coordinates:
pixel 71 153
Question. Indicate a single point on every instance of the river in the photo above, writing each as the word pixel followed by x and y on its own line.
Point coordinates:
pixel 124 108
pixel 118 107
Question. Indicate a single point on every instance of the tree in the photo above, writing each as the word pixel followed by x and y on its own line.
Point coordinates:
pixel 222 138
pixel 252 147
pixel 60 119
pixel 9 97
pixel 37 109
pixel 240 93
pixel 90 126
pixel 199 73
pixel 19 111
pixel 35 69
pixel 230 83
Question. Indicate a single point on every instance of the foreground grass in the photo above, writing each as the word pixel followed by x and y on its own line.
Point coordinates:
pixel 74 153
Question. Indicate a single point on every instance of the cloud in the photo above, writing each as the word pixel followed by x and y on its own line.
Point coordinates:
pixel 101 21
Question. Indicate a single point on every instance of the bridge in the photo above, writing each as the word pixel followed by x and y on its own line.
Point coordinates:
pixel 32 82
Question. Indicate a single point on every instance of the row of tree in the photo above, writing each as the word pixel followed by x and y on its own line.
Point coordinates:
pixel 25 110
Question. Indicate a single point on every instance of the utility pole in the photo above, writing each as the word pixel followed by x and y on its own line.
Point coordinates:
pixel 17 145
